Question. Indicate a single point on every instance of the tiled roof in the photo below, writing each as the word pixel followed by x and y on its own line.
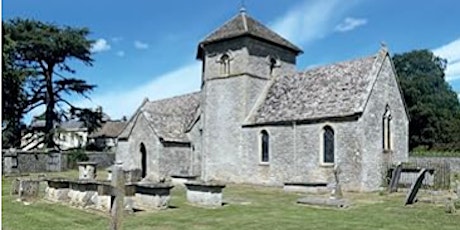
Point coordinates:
pixel 241 25
pixel 335 90
pixel 109 129
pixel 169 118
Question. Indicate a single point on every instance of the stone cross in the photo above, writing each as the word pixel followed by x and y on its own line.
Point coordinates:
pixel 118 187
pixel 337 190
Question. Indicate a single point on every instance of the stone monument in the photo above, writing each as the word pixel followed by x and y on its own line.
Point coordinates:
pixel 336 189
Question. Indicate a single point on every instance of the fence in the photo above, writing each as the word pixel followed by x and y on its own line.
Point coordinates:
pixel 40 161
pixel 439 179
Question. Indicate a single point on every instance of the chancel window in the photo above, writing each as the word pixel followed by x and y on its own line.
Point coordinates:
pixel 386 129
pixel 328 145
pixel 264 146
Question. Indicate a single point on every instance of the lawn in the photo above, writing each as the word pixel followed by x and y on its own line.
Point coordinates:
pixel 248 207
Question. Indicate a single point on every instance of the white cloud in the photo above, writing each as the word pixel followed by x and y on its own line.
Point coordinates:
pixel 304 23
pixel 117 39
pixel 100 45
pixel 451 52
pixel 141 45
pixel 350 24
pixel 117 104
pixel 120 53
pixel 310 20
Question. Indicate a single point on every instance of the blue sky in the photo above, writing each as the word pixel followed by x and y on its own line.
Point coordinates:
pixel 147 48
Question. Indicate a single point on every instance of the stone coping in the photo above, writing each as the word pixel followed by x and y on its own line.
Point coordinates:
pixel 306 184
pixel 205 183
pixel 87 163
pixel 153 185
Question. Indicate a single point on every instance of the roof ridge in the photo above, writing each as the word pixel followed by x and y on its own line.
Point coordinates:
pixel 336 63
pixel 245 23
pixel 175 97
pixel 218 28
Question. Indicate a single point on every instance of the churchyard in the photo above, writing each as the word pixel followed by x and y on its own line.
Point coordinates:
pixel 245 207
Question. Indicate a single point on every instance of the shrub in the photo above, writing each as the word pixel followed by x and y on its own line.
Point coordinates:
pixel 75 156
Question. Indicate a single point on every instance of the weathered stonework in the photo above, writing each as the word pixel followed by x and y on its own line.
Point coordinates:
pixel 239 99
pixel 152 196
pixel 87 170
pixel 204 193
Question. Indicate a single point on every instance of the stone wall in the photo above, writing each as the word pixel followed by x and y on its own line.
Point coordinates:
pixel 32 161
pixel 39 161
pixel 385 92
pixel 128 151
pixel 103 159
pixel 175 159
pixel 454 162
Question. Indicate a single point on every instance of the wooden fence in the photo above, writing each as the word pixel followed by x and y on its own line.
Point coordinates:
pixel 440 179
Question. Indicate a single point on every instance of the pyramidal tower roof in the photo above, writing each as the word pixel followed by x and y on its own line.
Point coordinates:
pixel 244 25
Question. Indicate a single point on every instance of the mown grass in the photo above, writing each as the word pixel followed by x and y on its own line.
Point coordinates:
pixel 248 207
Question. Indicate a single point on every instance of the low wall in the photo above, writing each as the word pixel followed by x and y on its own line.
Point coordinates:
pixel 103 159
pixel 40 161
pixel 454 162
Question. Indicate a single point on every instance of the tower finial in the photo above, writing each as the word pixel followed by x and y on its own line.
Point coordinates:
pixel 243 7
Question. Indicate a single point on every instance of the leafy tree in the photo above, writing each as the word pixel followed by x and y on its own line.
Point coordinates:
pixel 45 50
pixel 433 105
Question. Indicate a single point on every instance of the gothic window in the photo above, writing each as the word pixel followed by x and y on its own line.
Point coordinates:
pixel 143 153
pixel 328 145
pixel 386 128
pixel 225 64
pixel 264 143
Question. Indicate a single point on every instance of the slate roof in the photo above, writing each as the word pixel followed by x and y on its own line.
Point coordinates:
pixel 335 90
pixel 169 118
pixel 244 25
pixel 72 124
pixel 109 129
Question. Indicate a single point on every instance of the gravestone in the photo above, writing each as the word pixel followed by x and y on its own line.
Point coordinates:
pixel 395 176
pixel 450 206
pixel 150 196
pixel 87 170
pixel 26 188
pixel 204 193
pixel 336 193
pixel 410 198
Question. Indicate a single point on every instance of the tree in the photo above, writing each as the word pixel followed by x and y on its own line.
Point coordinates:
pixel 433 105
pixel 14 98
pixel 44 51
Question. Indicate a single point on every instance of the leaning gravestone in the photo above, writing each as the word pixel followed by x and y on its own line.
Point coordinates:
pixel 395 176
pixel 410 198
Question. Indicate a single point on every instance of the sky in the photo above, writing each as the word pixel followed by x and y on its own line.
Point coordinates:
pixel 147 49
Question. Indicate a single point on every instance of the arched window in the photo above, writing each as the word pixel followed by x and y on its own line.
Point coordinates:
pixel 386 129
pixel 143 153
pixel 225 64
pixel 328 145
pixel 264 146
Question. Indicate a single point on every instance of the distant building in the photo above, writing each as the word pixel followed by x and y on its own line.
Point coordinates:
pixel 69 134
pixel 258 120
pixel 106 137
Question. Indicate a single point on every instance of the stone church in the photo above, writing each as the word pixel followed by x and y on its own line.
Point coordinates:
pixel 257 120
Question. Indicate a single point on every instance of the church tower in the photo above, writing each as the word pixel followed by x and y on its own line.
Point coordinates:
pixel 238 61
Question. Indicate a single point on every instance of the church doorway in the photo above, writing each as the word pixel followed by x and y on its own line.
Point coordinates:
pixel 143 160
